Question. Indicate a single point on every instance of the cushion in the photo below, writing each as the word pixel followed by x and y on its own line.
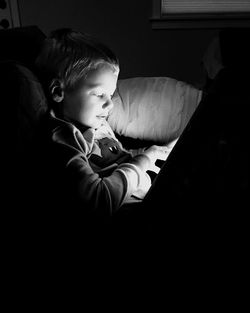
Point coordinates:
pixel 21 44
pixel 32 103
pixel 23 93
pixel 153 108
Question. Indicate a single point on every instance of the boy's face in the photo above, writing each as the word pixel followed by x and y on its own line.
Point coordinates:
pixel 90 103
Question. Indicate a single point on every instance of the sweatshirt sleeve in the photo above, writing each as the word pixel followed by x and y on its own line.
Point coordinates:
pixel 105 195
pixel 139 181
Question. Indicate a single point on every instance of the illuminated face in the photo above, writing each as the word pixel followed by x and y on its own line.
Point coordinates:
pixel 91 102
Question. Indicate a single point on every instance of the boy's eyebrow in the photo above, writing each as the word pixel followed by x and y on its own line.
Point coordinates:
pixel 93 85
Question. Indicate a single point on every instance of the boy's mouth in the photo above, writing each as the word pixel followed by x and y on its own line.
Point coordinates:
pixel 102 116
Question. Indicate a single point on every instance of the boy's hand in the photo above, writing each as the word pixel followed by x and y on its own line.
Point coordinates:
pixel 158 153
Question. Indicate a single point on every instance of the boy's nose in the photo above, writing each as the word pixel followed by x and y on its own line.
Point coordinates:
pixel 108 104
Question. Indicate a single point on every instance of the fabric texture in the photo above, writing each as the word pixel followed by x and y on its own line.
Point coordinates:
pixel 153 108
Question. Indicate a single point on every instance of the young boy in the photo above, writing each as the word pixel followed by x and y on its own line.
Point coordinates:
pixel 86 162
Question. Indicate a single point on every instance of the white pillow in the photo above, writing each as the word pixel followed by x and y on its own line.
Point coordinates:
pixel 153 108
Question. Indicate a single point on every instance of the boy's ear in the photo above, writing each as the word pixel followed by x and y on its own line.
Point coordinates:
pixel 56 91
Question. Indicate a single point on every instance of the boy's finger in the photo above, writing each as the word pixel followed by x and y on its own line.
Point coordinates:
pixel 155 169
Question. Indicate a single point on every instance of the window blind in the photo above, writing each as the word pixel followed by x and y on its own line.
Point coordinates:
pixel 204 6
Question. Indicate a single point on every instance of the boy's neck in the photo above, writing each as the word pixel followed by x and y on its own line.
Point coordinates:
pixel 77 124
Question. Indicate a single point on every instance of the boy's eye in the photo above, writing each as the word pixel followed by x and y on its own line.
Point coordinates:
pixel 103 95
pixel 99 95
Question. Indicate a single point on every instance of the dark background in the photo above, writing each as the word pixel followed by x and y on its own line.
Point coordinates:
pixel 125 26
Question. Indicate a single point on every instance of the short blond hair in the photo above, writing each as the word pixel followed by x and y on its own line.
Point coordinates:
pixel 69 55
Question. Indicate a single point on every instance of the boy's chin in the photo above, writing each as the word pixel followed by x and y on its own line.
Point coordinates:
pixel 99 123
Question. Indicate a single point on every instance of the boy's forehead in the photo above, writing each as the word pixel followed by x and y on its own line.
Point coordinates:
pixel 103 76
